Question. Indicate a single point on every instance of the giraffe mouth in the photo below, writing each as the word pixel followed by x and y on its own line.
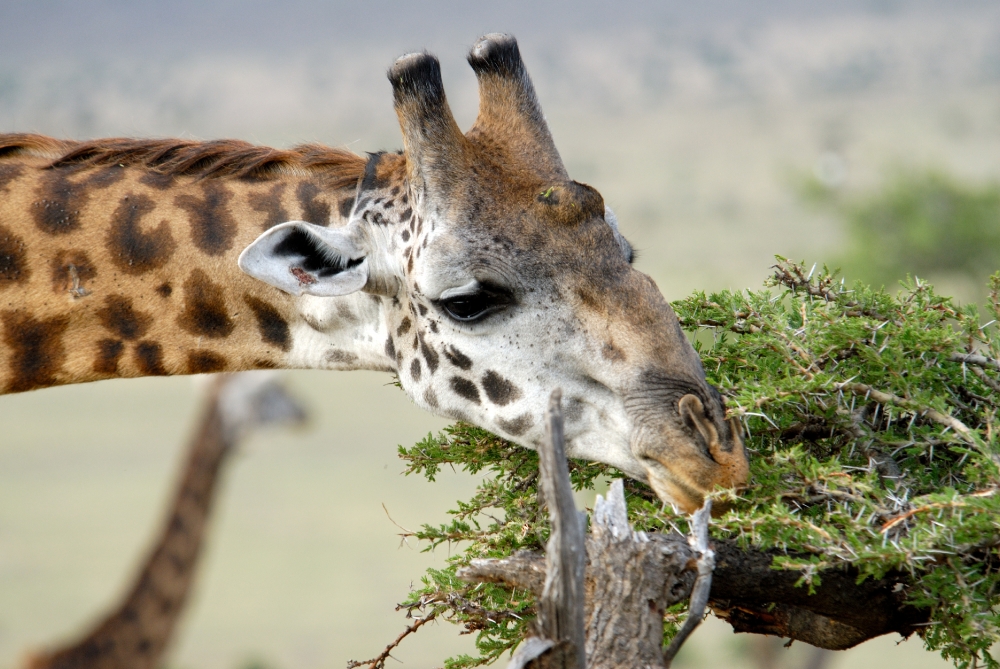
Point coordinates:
pixel 672 489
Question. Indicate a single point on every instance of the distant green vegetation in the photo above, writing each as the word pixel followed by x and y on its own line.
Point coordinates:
pixel 873 438
pixel 919 223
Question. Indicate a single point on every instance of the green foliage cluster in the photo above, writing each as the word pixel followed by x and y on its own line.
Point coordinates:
pixel 871 423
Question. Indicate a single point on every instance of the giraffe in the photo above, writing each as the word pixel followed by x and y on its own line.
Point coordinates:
pixel 135 634
pixel 469 265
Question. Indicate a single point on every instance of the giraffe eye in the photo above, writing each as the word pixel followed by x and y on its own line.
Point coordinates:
pixel 477 305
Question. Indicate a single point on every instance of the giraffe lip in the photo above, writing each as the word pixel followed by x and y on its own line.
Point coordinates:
pixel 668 488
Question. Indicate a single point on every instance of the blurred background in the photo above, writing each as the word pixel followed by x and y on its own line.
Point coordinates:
pixel 864 134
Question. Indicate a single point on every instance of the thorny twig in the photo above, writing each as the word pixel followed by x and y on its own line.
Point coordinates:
pixel 888 398
pixel 379 662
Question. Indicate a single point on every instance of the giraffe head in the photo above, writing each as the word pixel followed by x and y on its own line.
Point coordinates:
pixel 497 279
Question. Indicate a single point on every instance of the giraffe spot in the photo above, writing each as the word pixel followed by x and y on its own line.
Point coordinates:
pixel 313 210
pixel 104 177
pixel 36 349
pixel 430 355
pixel 164 290
pixel 405 235
pixel 57 208
pixel 121 319
pixel 457 358
pixel 376 218
pixel 71 269
pixel 109 351
pixel 269 204
pixel 390 348
pixel 409 264
pixel 340 357
pixel 612 353
pixel 404 326
pixel 13 263
pixel 8 173
pixel 344 311
pixel 149 358
pixel 433 325
pixel 205 362
pixel 157 180
pixel 464 388
pixel 499 390
pixel 516 426
pixel 205 311
pixel 212 225
pixel 415 369
pixel 132 250
pixel 573 409
pixel 405 216
pixel 422 309
pixel 144 646
pixel 345 207
pixel 589 299
pixel 272 325
pixel 430 398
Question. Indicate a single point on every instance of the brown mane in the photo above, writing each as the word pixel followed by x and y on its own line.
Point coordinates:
pixel 223 158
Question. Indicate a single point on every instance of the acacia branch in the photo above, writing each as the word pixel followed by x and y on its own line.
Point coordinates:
pixel 977 360
pixel 865 390
pixel 379 662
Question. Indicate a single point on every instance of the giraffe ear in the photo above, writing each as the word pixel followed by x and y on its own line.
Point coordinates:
pixel 305 259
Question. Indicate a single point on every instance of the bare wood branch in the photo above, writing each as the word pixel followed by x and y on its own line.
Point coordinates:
pixel 986 379
pixel 702 585
pixel 632 578
pixel 977 360
pixel 887 398
pixel 560 608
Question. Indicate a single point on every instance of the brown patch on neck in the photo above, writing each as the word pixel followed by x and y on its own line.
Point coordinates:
pixel 118 317
pixel 272 325
pixel 13 262
pixel 205 313
pixel 313 209
pixel 109 351
pixel 132 250
pixel 149 358
pixel 36 349
pixel 213 227
pixel 205 362
pixel 58 202
pixel 9 173
pixel 269 203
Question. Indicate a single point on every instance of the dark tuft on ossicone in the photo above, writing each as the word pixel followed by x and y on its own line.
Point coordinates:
pixel 496 53
pixel 417 76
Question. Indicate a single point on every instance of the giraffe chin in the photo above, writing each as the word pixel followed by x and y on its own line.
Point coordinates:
pixel 671 486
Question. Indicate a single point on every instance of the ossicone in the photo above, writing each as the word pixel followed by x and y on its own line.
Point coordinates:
pixel 509 114
pixel 433 143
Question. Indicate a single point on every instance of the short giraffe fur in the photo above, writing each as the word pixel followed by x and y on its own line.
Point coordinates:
pixel 470 265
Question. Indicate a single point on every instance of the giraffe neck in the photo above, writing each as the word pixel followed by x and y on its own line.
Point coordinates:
pixel 113 269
